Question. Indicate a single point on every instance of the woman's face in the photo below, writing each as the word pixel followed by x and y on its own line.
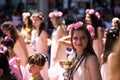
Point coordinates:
pixel 37 21
pixel 25 20
pixel 88 19
pixel 53 20
pixel 79 40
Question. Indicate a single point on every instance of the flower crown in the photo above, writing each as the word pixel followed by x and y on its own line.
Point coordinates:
pixel 80 24
pixel 115 19
pixel 92 11
pixel 25 14
pixel 40 15
pixel 56 14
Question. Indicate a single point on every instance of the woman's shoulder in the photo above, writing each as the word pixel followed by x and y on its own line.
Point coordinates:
pixel 92 60
pixel 44 33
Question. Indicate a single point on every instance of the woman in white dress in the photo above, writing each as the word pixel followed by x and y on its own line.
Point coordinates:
pixel 58 52
pixel 39 39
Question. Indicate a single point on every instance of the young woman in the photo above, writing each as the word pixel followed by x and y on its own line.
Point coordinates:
pixel 111 37
pixel 39 39
pixel 19 44
pixel 93 18
pixel 7 45
pixel 27 27
pixel 58 52
pixel 113 62
pixel 5 69
pixel 85 62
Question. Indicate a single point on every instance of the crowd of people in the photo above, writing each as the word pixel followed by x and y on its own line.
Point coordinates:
pixel 36 53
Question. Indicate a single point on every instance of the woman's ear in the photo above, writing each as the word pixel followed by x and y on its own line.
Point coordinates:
pixel 1 72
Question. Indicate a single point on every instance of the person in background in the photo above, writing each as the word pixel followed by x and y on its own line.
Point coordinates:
pixel 7 45
pixel 5 69
pixel 93 18
pixel 36 63
pixel 113 62
pixel 19 45
pixel 58 52
pixel 27 27
pixel 111 37
pixel 39 39
pixel 33 8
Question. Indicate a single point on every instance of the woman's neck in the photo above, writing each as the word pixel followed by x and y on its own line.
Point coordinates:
pixel 79 53
pixel 26 25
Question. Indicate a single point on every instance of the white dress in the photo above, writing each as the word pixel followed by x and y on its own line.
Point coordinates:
pixel 41 47
pixel 105 71
pixel 82 73
pixel 61 53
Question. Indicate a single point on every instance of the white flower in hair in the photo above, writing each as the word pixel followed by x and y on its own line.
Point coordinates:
pixel 27 14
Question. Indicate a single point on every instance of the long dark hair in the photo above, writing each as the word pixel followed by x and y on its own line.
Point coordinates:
pixel 4 65
pixel 95 23
pixel 43 26
pixel 13 31
pixel 111 37
pixel 89 49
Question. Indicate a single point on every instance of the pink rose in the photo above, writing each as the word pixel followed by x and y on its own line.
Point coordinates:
pixel 91 11
pixel 98 15
pixel 78 24
pixel 91 30
pixel 50 15
pixel 87 11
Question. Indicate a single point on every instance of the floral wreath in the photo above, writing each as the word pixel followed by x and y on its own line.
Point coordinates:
pixel 115 19
pixel 77 25
pixel 56 14
pixel 37 15
pixel 92 11
pixel 25 14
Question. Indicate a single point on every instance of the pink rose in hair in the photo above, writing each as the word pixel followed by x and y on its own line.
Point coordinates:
pixel 50 15
pixel 70 27
pixel 87 11
pixel 74 26
pixel 78 24
pixel 60 14
pixel 91 11
pixel 98 15
pixel 91 30
pixel 56 14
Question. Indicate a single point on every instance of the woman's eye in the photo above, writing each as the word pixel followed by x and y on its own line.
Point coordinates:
pixel 75 38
